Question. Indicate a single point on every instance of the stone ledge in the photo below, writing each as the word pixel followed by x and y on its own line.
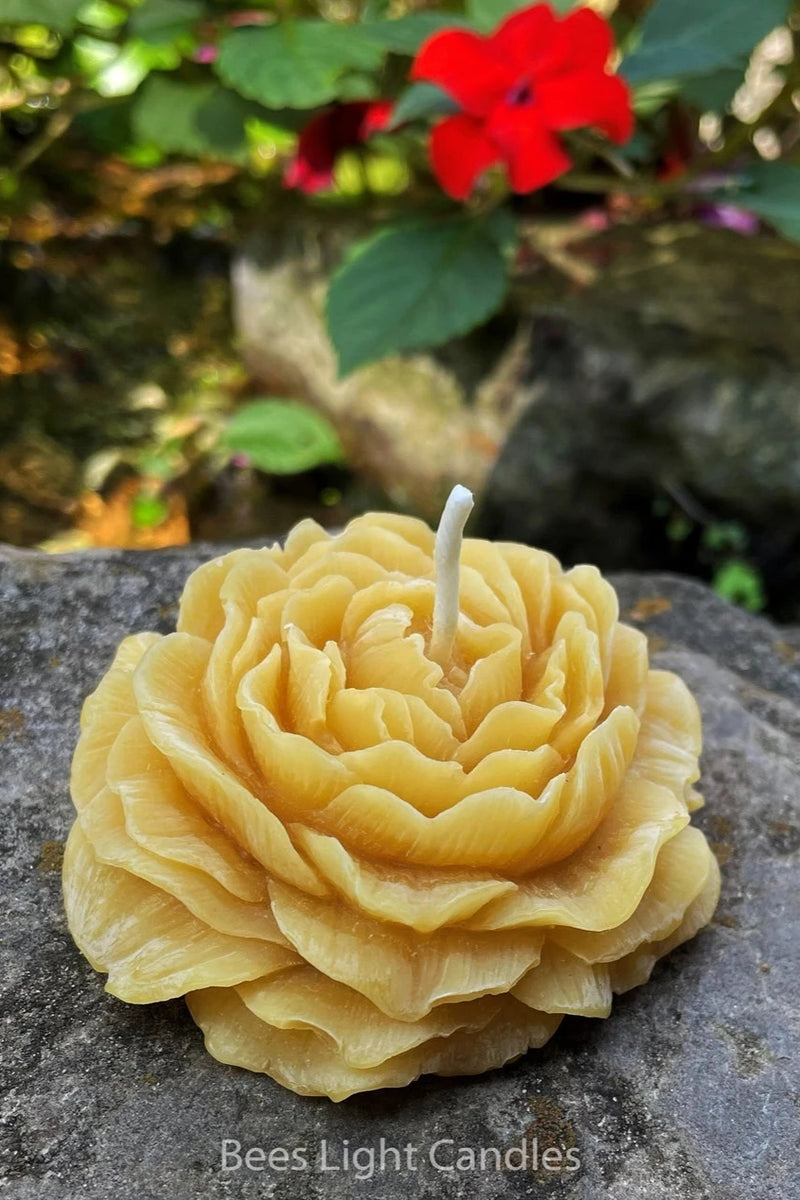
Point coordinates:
pixel 686 1093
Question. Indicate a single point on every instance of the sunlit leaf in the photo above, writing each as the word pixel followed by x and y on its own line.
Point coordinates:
pixel 131 64
pixel 739 583
pixel 147 511
pixel 282 437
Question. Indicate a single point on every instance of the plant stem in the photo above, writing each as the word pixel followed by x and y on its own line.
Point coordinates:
pixel 54 128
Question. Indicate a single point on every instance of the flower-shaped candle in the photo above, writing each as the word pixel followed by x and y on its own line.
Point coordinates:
pixel 386 804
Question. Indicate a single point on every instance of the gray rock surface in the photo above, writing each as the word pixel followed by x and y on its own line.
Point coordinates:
pixel 688 1092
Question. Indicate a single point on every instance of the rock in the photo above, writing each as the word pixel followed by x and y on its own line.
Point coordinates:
pixel 413 424
pixel 687 1092
pixel 653 377
pixel 674 381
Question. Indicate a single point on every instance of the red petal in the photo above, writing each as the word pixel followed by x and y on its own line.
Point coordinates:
pixel 460 151
pixel 311 169
pixel 586 39
pixel 587 98
pixel 377 116
pixel 527 39
pixel 299 174
pixel 533 154
pixel 327 135
pixel 463 64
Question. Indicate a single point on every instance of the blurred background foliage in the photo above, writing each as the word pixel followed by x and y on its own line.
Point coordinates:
pixel 142 142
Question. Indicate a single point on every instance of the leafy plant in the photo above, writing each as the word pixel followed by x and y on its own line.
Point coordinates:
pixel 395 113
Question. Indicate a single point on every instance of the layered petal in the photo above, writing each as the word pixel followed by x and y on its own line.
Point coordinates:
pixel 528 40
pixel 404 974
pixel 533 154
pixel 146 941
pixel 587 98
pixel 584 41
pixel 466 66
pixel 461 151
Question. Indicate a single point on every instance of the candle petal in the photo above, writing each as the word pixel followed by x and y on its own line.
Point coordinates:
pixel 148 943
pixel 163 818
pixel 105 713
pixel 421 898
pixel 304 998
pixel 311 1065
pixel 103 824
pixel 562 983
pixel 404 974
pixel 167 686
pixel 634 969
pixel 681 872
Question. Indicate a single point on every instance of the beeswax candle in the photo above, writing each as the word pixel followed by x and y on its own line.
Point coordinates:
pixel 386 804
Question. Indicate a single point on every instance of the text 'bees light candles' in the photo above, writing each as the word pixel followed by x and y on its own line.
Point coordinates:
pixel 387 803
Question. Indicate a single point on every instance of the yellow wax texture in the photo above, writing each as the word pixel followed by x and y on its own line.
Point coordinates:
pixel 357 866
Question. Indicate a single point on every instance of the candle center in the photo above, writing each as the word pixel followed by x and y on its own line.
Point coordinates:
pixel 446 556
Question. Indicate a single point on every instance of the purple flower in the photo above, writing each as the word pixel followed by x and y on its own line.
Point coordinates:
pixel 206 54
pixel 729 216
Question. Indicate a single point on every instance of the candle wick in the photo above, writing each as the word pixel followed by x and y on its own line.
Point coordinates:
pixel 446 555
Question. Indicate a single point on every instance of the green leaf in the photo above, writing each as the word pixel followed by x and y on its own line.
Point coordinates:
pixel 282 437
pixel 102 14
pixel 357 86
pixel 725 535
pixel 487 14
pixel 405 35
pixel 203 120
pixel 715 90
pixel 739 583
pixel 417 284
pixel 162 22
pixel 689 37
pixel 422 100
pixel 59 15
pixel 774 193
pixel 132 62
pixel 295 64
pixel 148 510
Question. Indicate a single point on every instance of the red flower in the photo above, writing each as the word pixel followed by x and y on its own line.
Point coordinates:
pixel 535 76
pixel 323 139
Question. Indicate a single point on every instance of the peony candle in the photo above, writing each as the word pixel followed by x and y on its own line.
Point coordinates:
pixel 386 803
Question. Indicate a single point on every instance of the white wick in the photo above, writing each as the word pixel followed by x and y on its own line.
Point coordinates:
pixel 446 555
